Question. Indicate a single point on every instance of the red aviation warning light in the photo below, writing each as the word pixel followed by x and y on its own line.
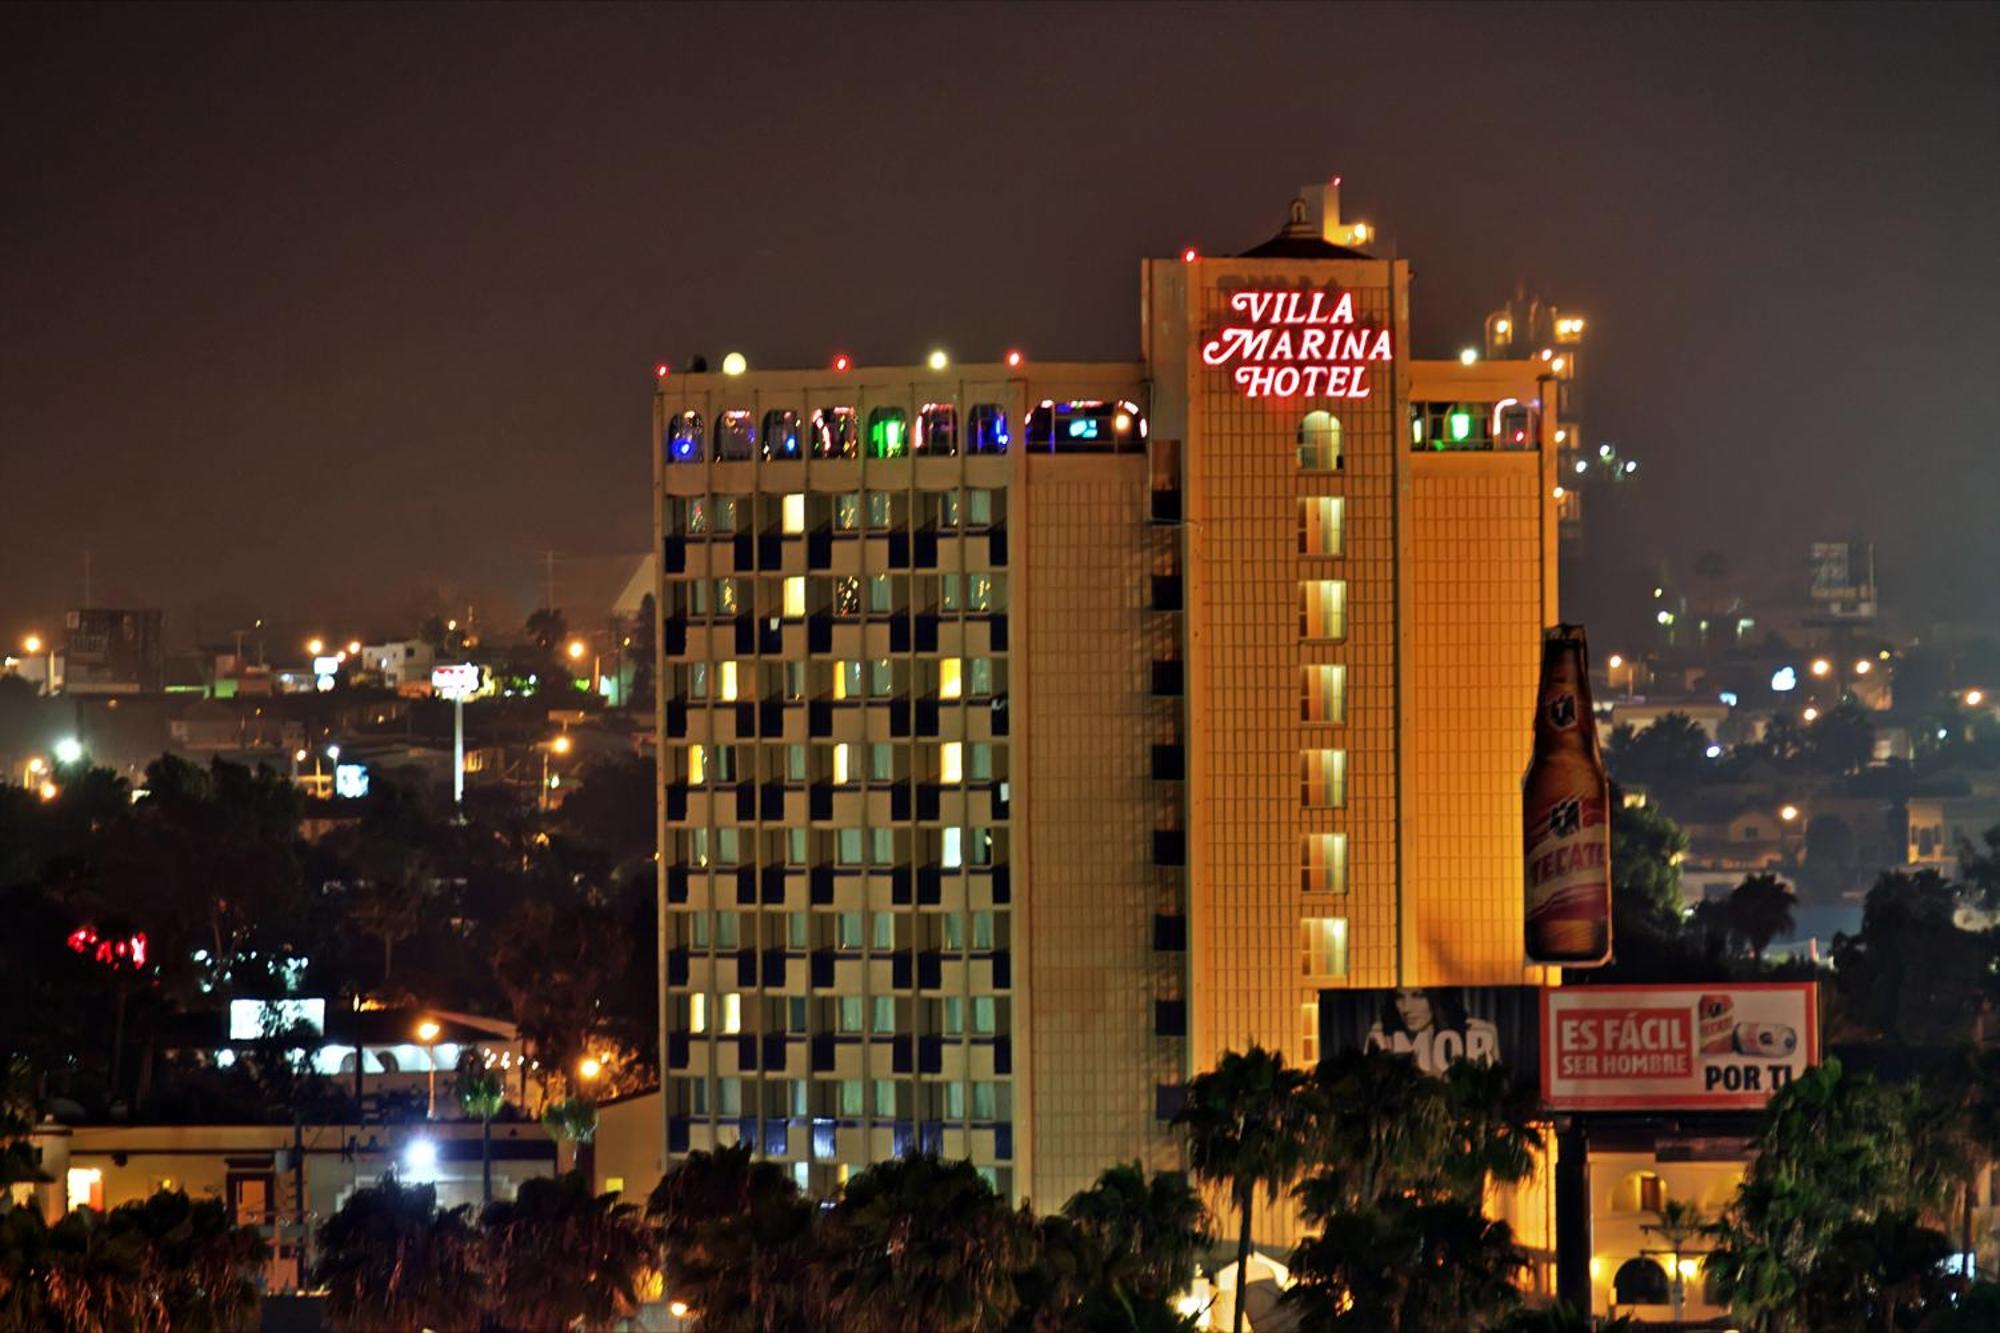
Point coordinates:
pixel 1189 255
pixel 842 361
pixel 1014 358
pixel 660 371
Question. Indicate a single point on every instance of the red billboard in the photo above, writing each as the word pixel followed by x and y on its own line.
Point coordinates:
pixel 1661 1048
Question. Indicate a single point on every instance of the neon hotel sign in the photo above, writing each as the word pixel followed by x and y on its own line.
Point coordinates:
pixel 1288 344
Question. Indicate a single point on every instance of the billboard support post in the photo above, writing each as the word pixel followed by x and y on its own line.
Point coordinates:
pixel 1573 1212
pixel 458 752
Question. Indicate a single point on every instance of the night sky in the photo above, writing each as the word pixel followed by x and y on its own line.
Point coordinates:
pixel 316 312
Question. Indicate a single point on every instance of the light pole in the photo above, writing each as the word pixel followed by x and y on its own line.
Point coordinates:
pixel 557 745
pixel 33 644
pixel 427 1033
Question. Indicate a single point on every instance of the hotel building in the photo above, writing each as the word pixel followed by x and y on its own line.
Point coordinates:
pixel 1031 734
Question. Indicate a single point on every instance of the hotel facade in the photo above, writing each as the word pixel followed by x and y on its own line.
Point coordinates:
pixel 1032 734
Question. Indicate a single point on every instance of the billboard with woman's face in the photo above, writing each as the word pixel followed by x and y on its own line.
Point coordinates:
pixel 1438 1024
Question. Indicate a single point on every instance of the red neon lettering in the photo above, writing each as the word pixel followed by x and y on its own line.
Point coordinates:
pixel 1327 357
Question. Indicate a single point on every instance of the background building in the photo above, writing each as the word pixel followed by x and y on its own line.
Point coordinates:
pixel 1032 734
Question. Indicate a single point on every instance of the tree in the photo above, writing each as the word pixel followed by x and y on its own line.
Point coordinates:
pixel 1119 1251
pixel 1406 1264
pixel 1911 973
pixel 1979 867
pixel 1646 927
pixel 391 1262
pixel 547 629
pixel 199 1266
pixel 1759 910
pixel 1832 1149
pixel 554 959
pixel 1246 1134
pixel 481 1096
pixel 1677 1223
pixel 921 1245
pixel 1876 1271
pixel 1668 758
pixel 559 1255
pixel 575 1119
pixel 736 1240
pixel 1841 739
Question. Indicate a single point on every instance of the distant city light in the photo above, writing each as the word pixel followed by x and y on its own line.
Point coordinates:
pixel 1631 465
pixel 1789 813
pixel 1713 752
pixel 1863 666
pixel 735 364
pixel 938 360
pixel 1502 327
pixel 1658 592
pixel 298 756
pixel 576 649
pixel 1784 680
pixel 48 791
pixel 1468 356
pixel 561 744
pixel 1974 698
pixel 333 752
pixel 428 1030
pixel 353 647
pixel 1582 466
pixel 1557 365
pixel 1820 666
pixel 69 750
pixel 1728 697
pixel 315 647
pixel 1604 451
pixel 1811 714
pixel 1559 492
pixel 1664 617
pixel 589 1067
pixel 33 643
pixel 1614 661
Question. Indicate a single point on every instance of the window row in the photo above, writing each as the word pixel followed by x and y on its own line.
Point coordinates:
pixel 729 1014
pixel 947 848
pixel 842 763
pixel 1447 427
pixel 845 596
pixel 731 681
pixel 853 1098
pixel 1082 425
pixel 797 512
pixel 947 932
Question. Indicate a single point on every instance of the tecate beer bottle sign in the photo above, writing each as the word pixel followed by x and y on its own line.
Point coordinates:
pixel 1566 816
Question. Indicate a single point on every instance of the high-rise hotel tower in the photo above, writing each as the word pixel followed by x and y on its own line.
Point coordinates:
pixel 1031 734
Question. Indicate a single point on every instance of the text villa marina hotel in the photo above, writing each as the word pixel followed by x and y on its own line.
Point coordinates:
pixel 1031 734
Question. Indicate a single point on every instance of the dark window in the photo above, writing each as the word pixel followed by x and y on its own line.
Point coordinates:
pixel 1640 1282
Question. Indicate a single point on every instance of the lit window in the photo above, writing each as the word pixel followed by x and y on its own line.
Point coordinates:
pixel 881 509
pixel 683 438
pixel 882 930
pixel 881 678
pixel 697 764
pixel 727 683
pixel 794 510
pixel 951 762
pixel 728 929
pixel 1320 525
pixel 881 846
pixel 847 595
pixel 985 1101
pixel 847 930
pixel 885 1098
pixel 841 771
pixel 729 1096
pixel 937 429
pixel 1323 865
pixel 1309 1031
pixel 795 598
pixel 1319 442
pixel 982 930
pixel 732 1012
pixel 847 847
pixel 735 436
pixel 949 678
pixel 952 1021
pixel 847 513
pixel 849 1014
pixel 85 1187
pixel 954 1101
pixel 1323 694
pixel 1324 946
pixel 850 1096
pixel 888 433
pixel 881 594
pixel 983 1014
pixel 986 429
pixel 835 433
pixel 1323 779
pixel 881 762
pixel 697 1012
pixel 953 848
pixel 781 438
pixel 1323 613
pixel 884 1018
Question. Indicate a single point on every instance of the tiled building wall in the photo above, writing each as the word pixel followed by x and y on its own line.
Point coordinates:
pixel 1473 646
pixel 1087 648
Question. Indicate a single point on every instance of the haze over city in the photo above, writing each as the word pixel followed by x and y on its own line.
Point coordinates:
pixel 313 313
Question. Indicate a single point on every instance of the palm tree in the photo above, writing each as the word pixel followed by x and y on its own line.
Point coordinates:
pixel 575 1119
pixel 920 1245
pixel 1406 1264
pixel 558 1255
pixel 1378 1126
pixel 1760 910
pixel 1676 1222
pixel 736 1240
pixel 480 1094
pixel 391 1262
pixel 1245 1126
pixel 1148 1230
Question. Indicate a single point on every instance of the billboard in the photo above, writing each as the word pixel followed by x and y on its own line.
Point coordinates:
pixel 112 652
pixel 1663 1048
pixel 1436 1025
pixel 457 680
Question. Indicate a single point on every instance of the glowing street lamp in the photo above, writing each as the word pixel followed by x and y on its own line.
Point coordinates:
pixel 316 646
pixel 1788 813
pixel 1820 666
pixel 590 1068
pixel 575 649
pixel 69 750
pixel 1974 698
pixel 427 1033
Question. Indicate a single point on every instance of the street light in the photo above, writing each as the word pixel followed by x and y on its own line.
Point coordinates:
pixel 576 650
pixel 316 646
pixel 1821 666
pixel 69 750
pixel 1788 813
pixel 1974 698
pixel 427 1033
pixel 589 1068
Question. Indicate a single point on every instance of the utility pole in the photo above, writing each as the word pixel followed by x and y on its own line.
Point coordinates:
pixel 549 580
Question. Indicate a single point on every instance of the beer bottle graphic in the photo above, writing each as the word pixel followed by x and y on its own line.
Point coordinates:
pixel 1566 815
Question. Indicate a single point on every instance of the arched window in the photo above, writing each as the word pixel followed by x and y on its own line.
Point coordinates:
pixel 835 433
pixel 937 430
pixel 684 438
pixel 1639 1192
pixel 1086 426
pixel 888 433
pixel 735 436
pixel 986 429
pixel 1319 442
pixel 781 435
pixel 1639 1282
